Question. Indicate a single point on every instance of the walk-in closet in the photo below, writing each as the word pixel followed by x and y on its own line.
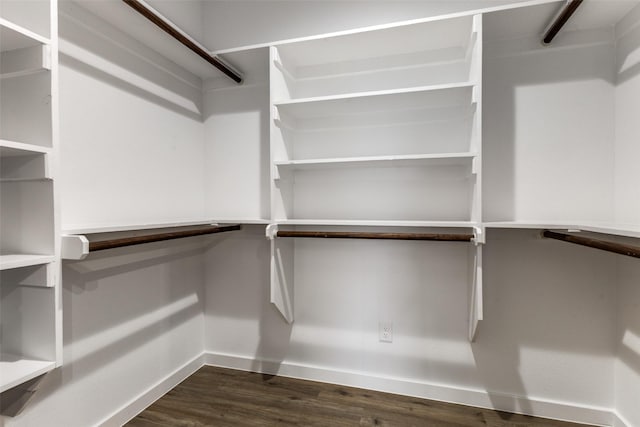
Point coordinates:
pixel 433 199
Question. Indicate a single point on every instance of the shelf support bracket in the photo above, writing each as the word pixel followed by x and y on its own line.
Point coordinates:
pixel 282 262
pixel 14 400
pixel 475 302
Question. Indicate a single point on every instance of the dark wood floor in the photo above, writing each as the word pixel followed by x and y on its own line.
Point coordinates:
pixel 226 397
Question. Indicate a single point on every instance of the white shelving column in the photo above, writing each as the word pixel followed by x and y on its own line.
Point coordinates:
pixel 476 292
pixel 379 127
pixel 30 305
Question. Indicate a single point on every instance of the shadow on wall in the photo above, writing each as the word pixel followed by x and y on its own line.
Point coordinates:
pixel 628 54
pixel 536 335
pixel 628 309
pixel 537 110
pixel 95 48
pixel 240 319
pixel 119 306
pixel 548 321
pixel 237 133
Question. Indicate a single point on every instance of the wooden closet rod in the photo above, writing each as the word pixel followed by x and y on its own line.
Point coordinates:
pixel 384 236
pixel 618 248
pixel 168 28
pixel 561 19
pixel 101 245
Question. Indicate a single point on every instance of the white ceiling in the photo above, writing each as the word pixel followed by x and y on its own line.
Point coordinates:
pixel 188 14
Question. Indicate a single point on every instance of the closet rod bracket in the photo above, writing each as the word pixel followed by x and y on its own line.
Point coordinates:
pixel 479 236
pixel 271 232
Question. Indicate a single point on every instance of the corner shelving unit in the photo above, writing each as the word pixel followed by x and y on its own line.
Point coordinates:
pixel 30 315
pixel 374 129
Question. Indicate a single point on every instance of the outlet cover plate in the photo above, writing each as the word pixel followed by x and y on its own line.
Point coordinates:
pixel 385 331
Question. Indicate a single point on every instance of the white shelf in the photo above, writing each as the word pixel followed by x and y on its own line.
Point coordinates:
pixel 108 228
pixel 14 37
pixel 377 42
pixel 445 159
pixel 434 96
pixel 16 149
pixel 528 225
pixel 36 179
pixel 248 221
pixel 23 260
pixel 377 223
pixel 15 370
pixel 625 230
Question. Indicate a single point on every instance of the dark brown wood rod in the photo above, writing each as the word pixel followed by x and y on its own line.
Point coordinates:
pixel 618 248
pixel 562 19
pixel 384 236
pixel 169 29
pixel 101 245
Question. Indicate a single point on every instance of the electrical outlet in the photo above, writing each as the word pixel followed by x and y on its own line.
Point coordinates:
pixel 385 331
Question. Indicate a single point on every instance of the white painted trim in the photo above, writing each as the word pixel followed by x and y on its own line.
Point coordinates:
pixel 619 420
pixel 565 411
pixel 155 392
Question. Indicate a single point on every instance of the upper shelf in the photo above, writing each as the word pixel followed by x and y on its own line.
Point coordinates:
pixel 23 162
pixel 11 261
pixel 410 99
pixel 14 37
pixel 396 40
pixel 19 149
pixel 15 370
pixel 445 159
pixel 404 56
pixel 22 52
pixel 624 230
pixel 377 223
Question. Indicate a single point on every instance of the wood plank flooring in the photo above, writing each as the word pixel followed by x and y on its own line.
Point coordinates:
pixel 226 397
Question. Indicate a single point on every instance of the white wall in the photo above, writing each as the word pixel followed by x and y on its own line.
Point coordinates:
pixel 131 317
pixel 132 150
pixel 268 21
pixel 236 121
pixel 627 372
pixel 627 125
pixel 132 144
pixel 547 134
pixel 533 343
pixel 627 148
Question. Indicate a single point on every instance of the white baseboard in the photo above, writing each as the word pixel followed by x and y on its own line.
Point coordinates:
pixel 473 397
pixel 619 421
pixel 138 404
pixel 441 392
